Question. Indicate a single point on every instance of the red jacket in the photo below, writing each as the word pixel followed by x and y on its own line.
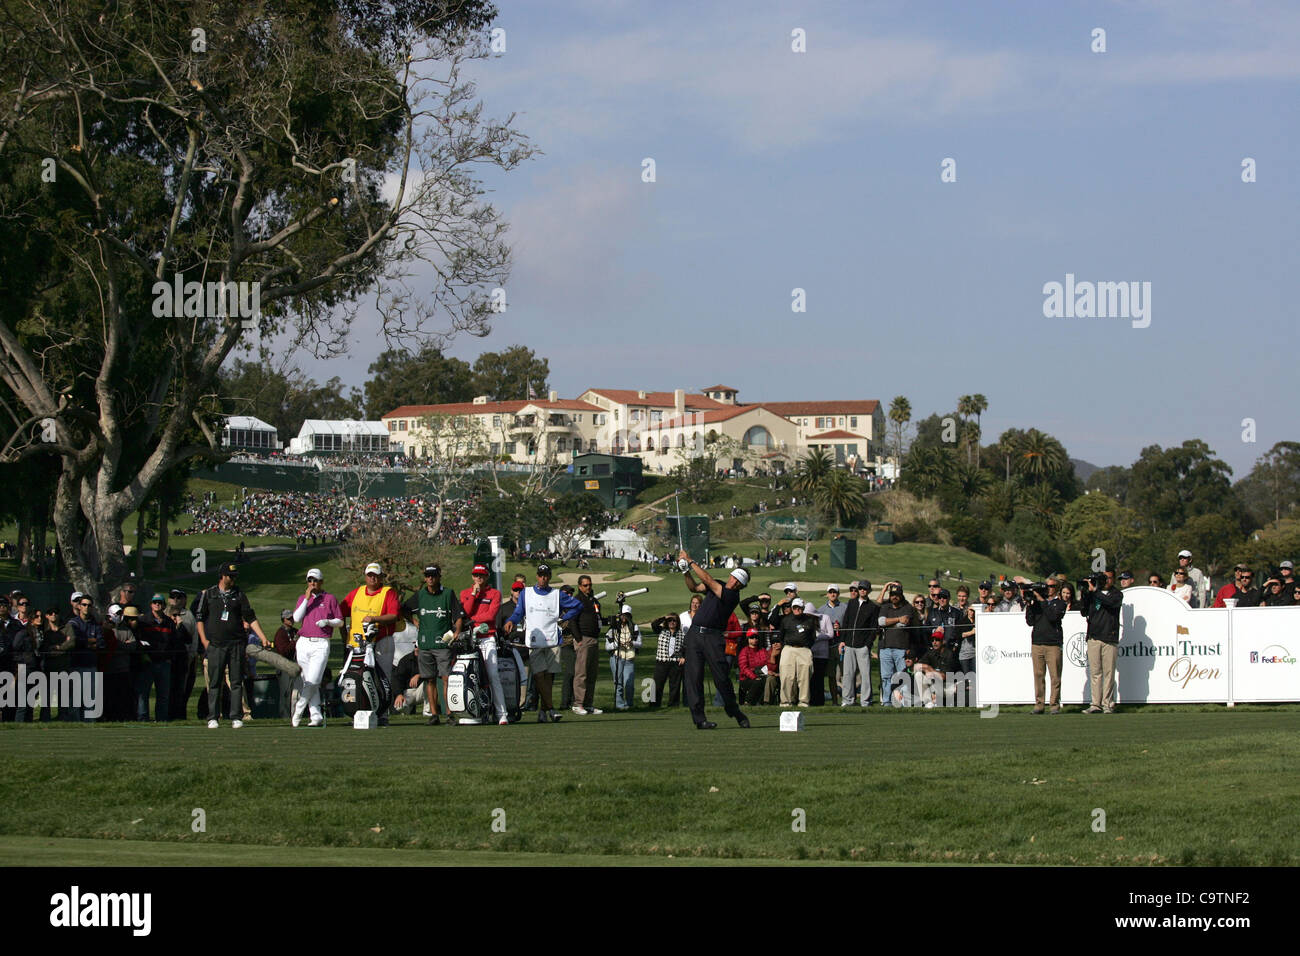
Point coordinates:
pixel 751 659
pixel 483 608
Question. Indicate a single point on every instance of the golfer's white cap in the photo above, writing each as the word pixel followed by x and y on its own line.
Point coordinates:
pixel 374 568
pixel 789 586
pixel 627 609
pixel 741 575
pixel 797 602
pixel 76 596
pixel 315 573
pixel 1184 553
pixel 114 610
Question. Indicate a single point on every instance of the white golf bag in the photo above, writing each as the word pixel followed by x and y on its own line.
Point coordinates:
pixel 469 689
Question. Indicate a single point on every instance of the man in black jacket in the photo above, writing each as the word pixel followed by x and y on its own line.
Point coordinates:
pixel 224 618
pixel 1103 608
pixel 1044 614
pixel 858 631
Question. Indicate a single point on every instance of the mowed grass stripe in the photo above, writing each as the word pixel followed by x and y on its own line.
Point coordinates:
pixel 1192 788
pixel 61 852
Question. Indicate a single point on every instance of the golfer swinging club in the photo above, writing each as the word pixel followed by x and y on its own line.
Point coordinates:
pixel 704 639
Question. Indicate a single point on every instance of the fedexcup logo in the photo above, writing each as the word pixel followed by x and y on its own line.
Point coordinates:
pixel 1273 654
pixel 990 654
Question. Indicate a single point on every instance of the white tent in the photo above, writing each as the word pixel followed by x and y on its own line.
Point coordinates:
pixel 245 431
pixel 347 436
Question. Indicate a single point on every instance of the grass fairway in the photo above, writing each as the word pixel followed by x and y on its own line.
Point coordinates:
pixel 1196 787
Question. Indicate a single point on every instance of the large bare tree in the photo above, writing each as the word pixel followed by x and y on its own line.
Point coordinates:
pixel 313 156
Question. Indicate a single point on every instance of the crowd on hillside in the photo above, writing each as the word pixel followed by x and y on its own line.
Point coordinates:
pixel 318 517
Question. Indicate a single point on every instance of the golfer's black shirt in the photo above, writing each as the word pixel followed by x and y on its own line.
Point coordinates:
pixel 715 611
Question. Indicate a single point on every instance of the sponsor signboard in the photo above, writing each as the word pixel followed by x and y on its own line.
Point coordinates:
pixel 1168 654
pixel 1265 642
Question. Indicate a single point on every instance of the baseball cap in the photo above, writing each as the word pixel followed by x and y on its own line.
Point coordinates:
pixel 936 634
pixel 114 610
pixel 286 614
pixel 864 585
pixel 480 569
pixel 315 573
pixel 229 568
pixel 741 575
pixel 76 596
pixel 1287 564
pixel 434 571
pixel 543 569
pixel 627 609
pixel 517 586
pixel 986 585
pixel 1005 585
pixel 374 567
pixel 1125 574
pixel 157 597
pixel 1184 553
pixel 130 611
pixel 943 593
pixel 176 592
pixel 797 602
pixel 832 587
pixel 790 586
pixel 895 589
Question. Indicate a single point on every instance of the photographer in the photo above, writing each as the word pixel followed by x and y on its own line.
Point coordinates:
pixel 1044 613
pixel 1103 606
pixel 622 643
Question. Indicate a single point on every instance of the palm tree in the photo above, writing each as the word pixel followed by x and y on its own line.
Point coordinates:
pixel 811 470
pixel 927 470
pixel 972 481
pixel 1040 456
pixel 900 413
pixel 979 405
pixel 966 408
pixel 840 495
pixel 1045 502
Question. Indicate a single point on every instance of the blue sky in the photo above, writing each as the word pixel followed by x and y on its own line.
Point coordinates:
pixel 821 170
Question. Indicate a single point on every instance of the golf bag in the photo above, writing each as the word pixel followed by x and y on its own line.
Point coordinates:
pixel 363 686
pixel 469 689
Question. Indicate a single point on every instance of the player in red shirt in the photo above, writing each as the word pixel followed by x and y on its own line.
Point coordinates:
pixel 481 603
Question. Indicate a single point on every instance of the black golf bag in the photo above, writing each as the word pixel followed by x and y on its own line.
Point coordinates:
pixel 363 686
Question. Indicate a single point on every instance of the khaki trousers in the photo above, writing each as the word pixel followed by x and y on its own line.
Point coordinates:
pixel 1047 660
pixel 1101 673
pixel 796 675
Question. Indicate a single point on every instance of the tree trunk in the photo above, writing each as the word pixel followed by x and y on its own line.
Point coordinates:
pixel 139 543
pixel 164 513
pixel 24 542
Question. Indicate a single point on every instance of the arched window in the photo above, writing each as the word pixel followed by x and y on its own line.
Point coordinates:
pixel 649 444
pixel 758 435
pixel 681 439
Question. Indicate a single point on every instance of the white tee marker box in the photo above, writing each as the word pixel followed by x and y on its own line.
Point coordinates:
pixel 365 720
pixel 792 720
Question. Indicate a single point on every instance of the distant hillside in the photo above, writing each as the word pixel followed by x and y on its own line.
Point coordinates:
pixel 1083 469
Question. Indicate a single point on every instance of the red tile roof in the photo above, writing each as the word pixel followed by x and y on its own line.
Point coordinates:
pixel 629 396
pixel 490 408
pixel 706 418
pixel 837 433
pixel 722 388
pixel 855 407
